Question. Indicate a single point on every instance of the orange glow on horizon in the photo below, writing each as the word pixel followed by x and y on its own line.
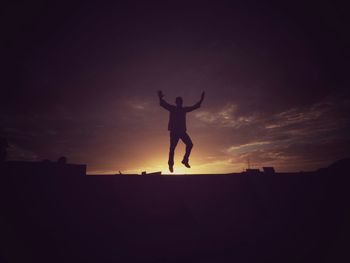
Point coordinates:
pixel 160 164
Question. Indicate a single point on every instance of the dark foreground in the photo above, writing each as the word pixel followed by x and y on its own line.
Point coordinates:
pixel 224 218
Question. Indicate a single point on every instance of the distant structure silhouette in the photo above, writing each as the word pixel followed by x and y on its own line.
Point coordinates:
pixel 177 127
pixel 3 149
pixel 269 170
pixel 62 160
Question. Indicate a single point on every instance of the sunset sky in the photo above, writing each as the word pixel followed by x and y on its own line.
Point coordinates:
pixel 81 81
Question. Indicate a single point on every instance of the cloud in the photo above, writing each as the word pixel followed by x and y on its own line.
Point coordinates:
pixel 300 115
pixel 225 117
pixel 308 136
pixel 248 146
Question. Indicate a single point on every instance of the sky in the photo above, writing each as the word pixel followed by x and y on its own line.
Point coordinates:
pixel 80 80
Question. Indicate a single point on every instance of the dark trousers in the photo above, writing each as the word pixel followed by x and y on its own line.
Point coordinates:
pixel 174 139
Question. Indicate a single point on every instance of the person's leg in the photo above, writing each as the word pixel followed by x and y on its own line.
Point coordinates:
pixel 174 138
pixel 187 140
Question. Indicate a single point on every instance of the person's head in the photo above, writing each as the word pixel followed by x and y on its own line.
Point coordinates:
pixel 178 101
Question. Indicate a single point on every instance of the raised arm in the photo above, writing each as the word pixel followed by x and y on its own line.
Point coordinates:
pixel 197 105
pixel 162 102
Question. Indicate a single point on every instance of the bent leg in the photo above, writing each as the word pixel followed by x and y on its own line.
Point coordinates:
pixel 189 145
pixel 174 138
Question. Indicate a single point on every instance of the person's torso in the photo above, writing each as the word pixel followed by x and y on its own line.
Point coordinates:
pixel 177 120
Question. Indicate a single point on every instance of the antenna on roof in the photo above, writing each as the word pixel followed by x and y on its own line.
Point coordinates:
pixel 248 162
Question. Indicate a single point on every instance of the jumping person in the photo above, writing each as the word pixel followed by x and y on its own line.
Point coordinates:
pixel 177 127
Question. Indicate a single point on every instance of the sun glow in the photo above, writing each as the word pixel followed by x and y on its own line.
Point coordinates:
pixel 157 161
pixel 214 167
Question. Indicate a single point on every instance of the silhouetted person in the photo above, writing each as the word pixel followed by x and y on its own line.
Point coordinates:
pixel 3 149
pixel 177 127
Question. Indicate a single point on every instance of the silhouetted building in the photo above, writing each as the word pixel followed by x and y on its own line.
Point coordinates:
pixel 46 168
pixel 252 171
pixel 340 166
pixel 269 170
pixel 62 160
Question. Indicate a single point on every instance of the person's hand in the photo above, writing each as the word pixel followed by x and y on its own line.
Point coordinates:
pixel 202 96
pixel 160 94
